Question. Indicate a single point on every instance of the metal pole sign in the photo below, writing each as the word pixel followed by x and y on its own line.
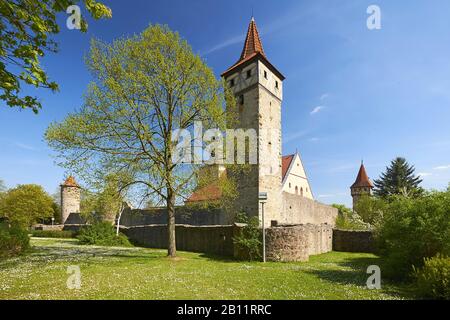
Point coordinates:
pixel 263 198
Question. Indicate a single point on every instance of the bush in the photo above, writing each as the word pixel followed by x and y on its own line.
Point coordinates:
pixel 53 234
pixel 102 234
pixel 411 230
pixel 433 279
pixel 248 242
pixel 13 241
pixel 348 220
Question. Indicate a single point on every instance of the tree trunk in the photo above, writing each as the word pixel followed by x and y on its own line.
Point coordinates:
pixel 172 247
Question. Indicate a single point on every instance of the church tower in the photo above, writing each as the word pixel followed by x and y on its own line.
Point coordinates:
pixel 258 88
pixel 362 185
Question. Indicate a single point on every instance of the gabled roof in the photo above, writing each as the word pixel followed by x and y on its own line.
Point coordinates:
pixel 362 180
pixel 211 192
pixel 70 182
pixel 286 164
pixel 252 50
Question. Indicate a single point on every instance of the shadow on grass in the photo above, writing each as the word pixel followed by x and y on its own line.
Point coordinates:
pixel 353 271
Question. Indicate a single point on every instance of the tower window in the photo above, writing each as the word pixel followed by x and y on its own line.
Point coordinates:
pixel 241 99
pixel 232 83
pixel 276 84
pixel 249 73
pixel 265 74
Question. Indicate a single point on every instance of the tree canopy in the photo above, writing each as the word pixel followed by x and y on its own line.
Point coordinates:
pixel 27 204
pixel 145 88
pixel 398 179
pixel 26 27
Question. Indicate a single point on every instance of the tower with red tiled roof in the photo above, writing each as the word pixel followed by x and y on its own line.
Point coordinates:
pixel 70 198
pixel 362 185
pixel 258 88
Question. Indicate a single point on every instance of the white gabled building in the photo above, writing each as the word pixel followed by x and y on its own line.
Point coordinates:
pixel 295 180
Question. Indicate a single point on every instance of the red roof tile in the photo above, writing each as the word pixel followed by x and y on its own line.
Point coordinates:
pixel 252 48
pixel 362 180
pixel 285 164
pixel 209 193
pixel 70 182
pixel 253 42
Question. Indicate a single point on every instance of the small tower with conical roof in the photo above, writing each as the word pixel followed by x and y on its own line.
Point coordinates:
pixel 70 198
pixel 258 88
pixel 362 185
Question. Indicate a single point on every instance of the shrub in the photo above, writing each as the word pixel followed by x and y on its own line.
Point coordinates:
pixel 53 234
pixel 411 230
pixel 433 279
pixel 248 242
pixel 13 241
pixel 348 220
pixel 102 234
pixel 371 209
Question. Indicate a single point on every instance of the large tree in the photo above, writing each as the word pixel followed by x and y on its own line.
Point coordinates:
pixel 145 87
pixel 26 28
pixel 398 179
pixel 26 205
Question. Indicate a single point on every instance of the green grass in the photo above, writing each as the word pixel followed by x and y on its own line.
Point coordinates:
pixel 137 273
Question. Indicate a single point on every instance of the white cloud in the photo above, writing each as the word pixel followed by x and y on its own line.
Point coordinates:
pixel 25 146
pixel 314 139
pixel 442 167
pixel 340 194
pixel 425 174
pixel 317 110
pixel 294 136
pixel 324 96
pixel 224 44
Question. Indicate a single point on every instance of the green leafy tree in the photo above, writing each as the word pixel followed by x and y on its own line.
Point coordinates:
pixel 398 179
pixel 145 87
pixel 349 220
pixel 26 205
pixel 26 28
pixel 413 229
pixel 371 209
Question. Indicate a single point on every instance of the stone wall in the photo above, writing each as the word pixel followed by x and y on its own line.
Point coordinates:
pixel 297 243
pixel 353 241
pixel 183 215
pixel 204 239
pixel 286 243
pixel 301 210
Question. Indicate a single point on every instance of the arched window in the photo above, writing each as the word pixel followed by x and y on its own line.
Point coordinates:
pixel 296 190
pixel 301 192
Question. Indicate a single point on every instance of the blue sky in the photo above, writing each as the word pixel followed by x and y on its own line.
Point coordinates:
pixel 376 94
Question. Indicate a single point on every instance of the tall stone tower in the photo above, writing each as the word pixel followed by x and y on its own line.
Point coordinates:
pixel 362 185
pixel 258 88
pixel 70 198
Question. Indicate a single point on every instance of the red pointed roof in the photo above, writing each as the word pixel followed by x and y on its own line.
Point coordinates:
pixel 70 182
pixel 285 164
pixel 252 48
pixel 362 180
pixel 253 42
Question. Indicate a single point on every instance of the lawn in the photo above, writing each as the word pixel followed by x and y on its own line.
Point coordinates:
pixel 138 273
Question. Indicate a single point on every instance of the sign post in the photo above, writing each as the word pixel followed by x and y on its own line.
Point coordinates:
pixel 263 199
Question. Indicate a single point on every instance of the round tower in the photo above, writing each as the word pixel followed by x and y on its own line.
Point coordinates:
pixel 70 198
pixel 362 185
